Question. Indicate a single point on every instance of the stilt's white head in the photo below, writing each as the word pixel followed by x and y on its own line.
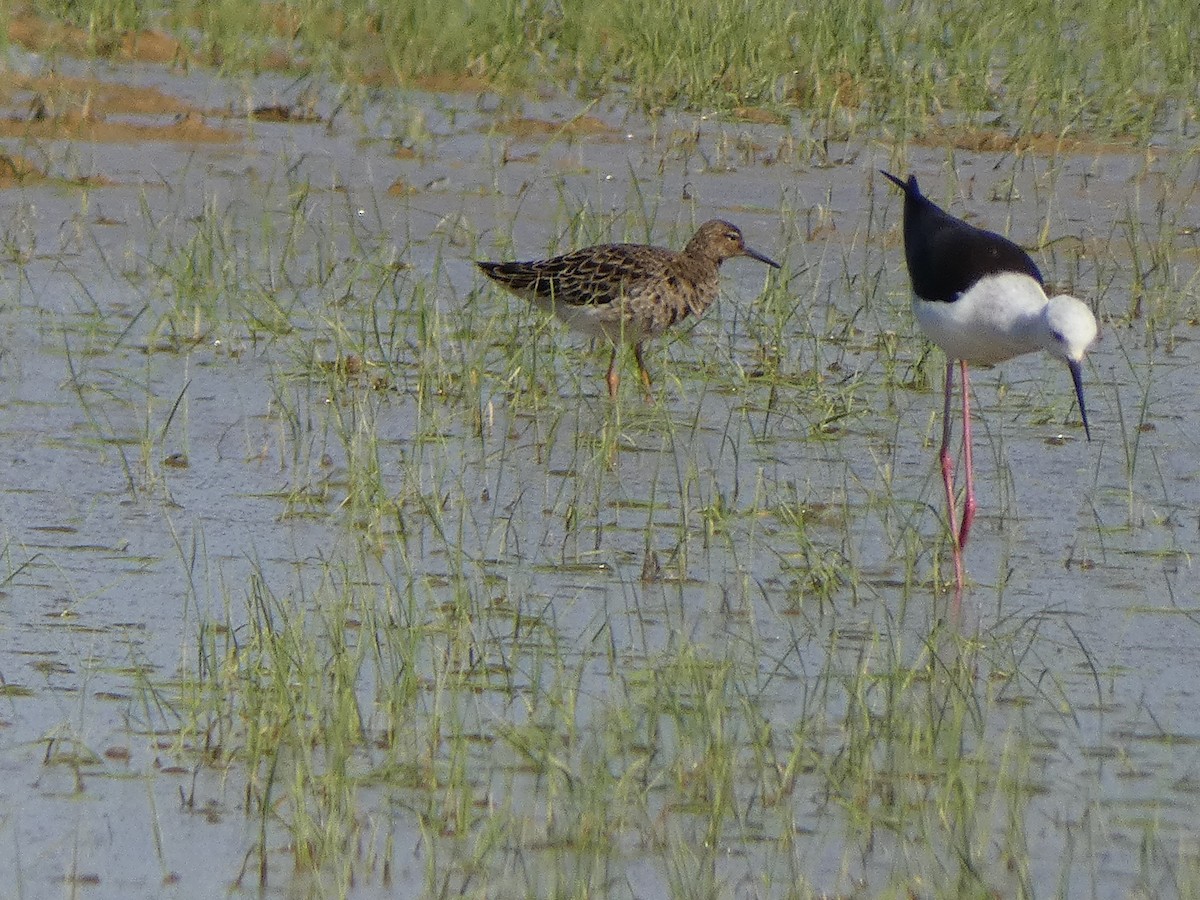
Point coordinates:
pixel 1072 326
pixel 1072 329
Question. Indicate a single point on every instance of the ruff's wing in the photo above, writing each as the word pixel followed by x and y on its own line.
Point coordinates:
pixel 595 276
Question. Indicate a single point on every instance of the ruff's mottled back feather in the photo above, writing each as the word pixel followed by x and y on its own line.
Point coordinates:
pixel 627 292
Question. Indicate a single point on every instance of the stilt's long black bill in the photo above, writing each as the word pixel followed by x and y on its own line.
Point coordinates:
pixel 1077 377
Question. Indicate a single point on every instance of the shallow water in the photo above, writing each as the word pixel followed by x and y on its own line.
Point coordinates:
pixel 178 435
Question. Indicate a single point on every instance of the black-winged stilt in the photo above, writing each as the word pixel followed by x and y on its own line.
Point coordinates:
pixel 982 300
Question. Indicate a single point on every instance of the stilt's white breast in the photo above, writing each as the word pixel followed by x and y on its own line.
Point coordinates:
pixel 997 318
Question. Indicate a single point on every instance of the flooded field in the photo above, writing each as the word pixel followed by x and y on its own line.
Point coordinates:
pixel 329 568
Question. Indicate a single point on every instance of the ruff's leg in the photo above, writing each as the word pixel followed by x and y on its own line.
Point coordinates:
pixel 643 371
pixel 613 379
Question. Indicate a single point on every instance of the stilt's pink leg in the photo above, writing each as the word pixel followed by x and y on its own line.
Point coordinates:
pixel 945 457
pixel 948 480
pixel 969 505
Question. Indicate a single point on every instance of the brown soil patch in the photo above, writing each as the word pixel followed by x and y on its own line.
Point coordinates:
pixel 17 170
pixel 151 46
pixel 756 116
pixel 282 61
pixel 41 36
pixel 377 77
pixel 101 98
pixel 188 129
pixel 280 113
pixel 992 140
pixel 522 126
pixel 61 100
pixel 285 22
pixel 849 93
pixel 82 109
pixel 451 83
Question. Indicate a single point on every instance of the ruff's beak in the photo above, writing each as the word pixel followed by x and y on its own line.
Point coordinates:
pixel 754 254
